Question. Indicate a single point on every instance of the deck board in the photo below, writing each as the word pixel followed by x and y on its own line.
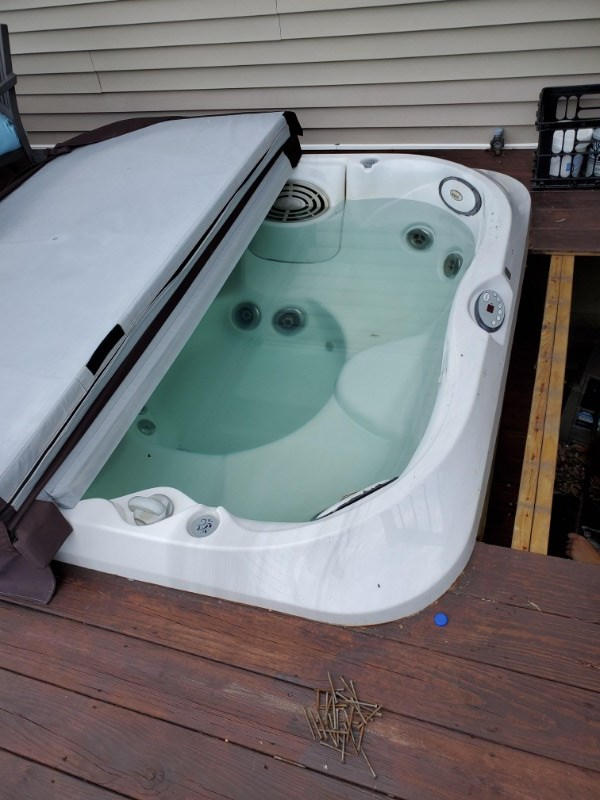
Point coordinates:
pixel 141 690
pixel 138 756
pixel 218 700
pixel 23 779
pixel 501 575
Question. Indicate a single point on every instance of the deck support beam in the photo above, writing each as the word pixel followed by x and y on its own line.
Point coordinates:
pixel 534 505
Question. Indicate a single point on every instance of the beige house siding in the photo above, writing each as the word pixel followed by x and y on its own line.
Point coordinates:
pixel 373 72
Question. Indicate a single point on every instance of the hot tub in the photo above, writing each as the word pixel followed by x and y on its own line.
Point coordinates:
pixel 322 444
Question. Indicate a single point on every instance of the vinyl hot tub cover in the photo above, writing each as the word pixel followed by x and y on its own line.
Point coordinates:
pixel 111 252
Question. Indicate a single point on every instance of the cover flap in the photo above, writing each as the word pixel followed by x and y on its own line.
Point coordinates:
pixel 88 243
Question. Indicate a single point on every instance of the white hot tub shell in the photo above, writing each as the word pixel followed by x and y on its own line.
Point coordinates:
pixel 394 550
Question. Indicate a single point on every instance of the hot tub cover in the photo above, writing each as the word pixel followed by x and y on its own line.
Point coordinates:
pixel 97 248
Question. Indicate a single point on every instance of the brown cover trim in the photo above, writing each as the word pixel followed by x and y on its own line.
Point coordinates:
pixel 25 556
pixel 105 132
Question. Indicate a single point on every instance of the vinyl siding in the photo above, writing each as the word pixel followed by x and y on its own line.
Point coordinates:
pixel 369 72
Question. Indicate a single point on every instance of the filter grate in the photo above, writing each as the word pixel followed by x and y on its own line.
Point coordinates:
pixel 297 202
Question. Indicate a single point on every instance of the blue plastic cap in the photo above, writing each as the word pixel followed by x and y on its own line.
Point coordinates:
pixel 441 619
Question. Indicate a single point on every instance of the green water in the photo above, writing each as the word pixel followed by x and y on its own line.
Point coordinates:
pixel 277 425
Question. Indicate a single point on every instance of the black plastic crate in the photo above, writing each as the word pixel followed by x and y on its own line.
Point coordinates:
pixel 566 118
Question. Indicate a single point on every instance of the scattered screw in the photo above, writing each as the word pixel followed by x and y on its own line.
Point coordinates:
pixel 340 719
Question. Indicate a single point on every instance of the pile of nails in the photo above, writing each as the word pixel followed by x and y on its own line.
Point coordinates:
pixel 340 719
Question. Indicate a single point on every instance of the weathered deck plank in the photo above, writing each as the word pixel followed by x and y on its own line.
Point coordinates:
pixel 513 638
pixel 228 702
pixel 137 756
pixel 546 584
pixel 23 779
pixel 135 688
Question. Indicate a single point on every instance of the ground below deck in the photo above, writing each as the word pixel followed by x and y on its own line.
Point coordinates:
pixel 121 689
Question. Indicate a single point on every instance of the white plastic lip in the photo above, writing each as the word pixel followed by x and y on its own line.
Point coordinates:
pixel 395 551
pixel 419 146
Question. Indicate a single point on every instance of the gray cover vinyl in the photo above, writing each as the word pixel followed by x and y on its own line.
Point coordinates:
pixel 96 239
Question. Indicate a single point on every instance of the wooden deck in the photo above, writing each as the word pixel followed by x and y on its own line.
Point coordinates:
pixel 125 690
pixel 120 689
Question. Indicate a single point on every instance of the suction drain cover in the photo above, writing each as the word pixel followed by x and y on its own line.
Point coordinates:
pixel 460 196
pixel 298 201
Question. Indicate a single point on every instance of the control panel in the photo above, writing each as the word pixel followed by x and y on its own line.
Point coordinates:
pixel 489 310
